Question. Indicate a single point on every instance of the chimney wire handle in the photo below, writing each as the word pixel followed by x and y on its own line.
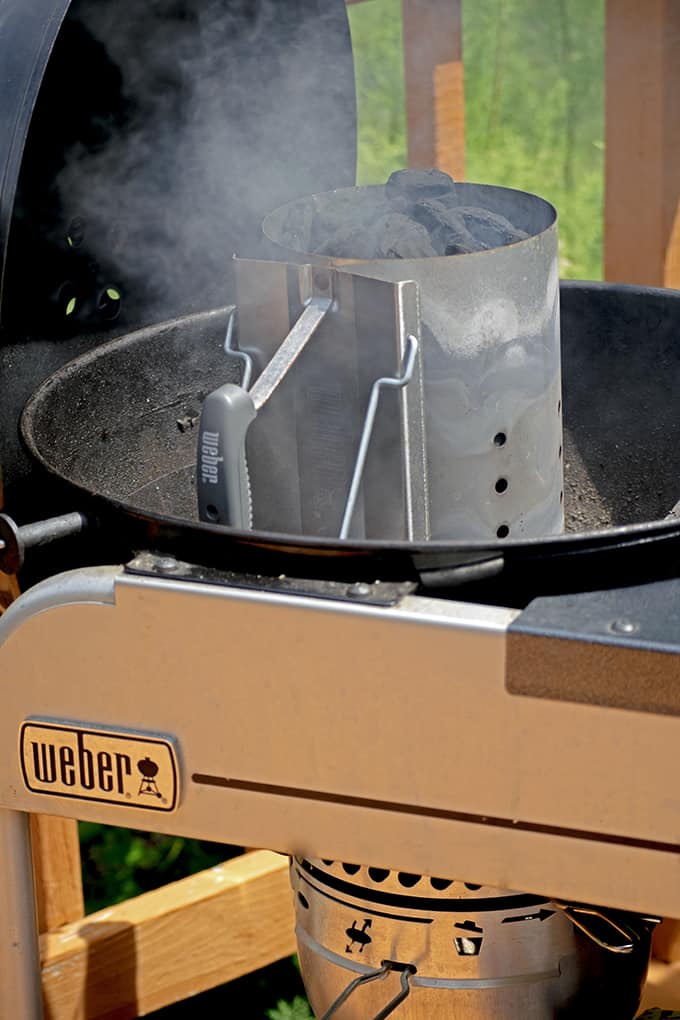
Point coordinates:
pixel 234 352
pixel 385 382
pixel 364 979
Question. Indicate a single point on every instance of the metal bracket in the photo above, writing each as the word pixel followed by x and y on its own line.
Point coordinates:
pixel 380 593
pixel 579 648
pixel 335 449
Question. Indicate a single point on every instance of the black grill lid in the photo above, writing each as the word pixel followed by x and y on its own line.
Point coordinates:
pixel 141 144
pixel 28 29
pixel 155 137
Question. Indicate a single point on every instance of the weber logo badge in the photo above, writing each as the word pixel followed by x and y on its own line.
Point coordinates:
pixel 101 765
pixel 210 457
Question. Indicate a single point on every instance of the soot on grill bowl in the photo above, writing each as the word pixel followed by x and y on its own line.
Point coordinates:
pixel 419 214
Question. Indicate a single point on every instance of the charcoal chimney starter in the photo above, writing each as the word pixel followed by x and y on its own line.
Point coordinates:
pixel 490 352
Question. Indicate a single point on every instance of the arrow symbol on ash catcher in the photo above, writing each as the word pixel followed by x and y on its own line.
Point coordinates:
pixel 542 915
pixel 358 935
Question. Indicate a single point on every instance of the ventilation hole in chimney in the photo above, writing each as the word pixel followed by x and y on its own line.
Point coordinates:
pixel 501 485
pixel 468 946
pixel 500 439
pixel 561 497
pixel 408 880
pixel 378 874
pixel 212 512
pixel 440 884
pixel 109 302
pixel 559 453
pixel 502 531
pixel 351 869
pixel 328 863
pixel 472 887
pixel 559 406
pixel 303 901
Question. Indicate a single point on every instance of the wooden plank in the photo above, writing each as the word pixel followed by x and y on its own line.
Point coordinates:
pixel 433 68
pixel 172 943
pixel 642 221
pixel 58 881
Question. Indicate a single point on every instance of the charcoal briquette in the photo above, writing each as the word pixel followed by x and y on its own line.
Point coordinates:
pixel 415 216
pixel 400 237
pixel 447 229
pixel 491 229
pixel 416 184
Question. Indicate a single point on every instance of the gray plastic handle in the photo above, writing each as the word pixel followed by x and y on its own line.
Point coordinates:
pixel 221 470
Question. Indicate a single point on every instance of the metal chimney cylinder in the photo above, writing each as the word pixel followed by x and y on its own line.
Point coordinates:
pixel 491 355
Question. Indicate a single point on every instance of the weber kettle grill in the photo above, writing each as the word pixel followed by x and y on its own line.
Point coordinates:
pixel 458 740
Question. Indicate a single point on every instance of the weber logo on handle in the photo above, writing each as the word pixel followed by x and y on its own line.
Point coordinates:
pixel 210 457
pixel 103 765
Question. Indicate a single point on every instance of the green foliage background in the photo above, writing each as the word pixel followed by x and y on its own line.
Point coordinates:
pixel 534 120
pixel 534 106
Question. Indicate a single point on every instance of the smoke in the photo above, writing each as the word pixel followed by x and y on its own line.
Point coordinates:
pixel 224 111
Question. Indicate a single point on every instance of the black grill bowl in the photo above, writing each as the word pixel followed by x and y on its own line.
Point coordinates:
pixel 115 426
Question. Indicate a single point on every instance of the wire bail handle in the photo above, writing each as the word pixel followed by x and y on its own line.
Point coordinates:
pixel 407 970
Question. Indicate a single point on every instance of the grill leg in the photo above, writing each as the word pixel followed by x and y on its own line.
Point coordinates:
pixel 20 991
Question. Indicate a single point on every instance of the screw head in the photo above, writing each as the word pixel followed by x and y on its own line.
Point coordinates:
pixel 166 564
pixel 624 627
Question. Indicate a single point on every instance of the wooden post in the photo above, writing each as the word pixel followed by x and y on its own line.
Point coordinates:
pixel 433 67
pixel 642 214
pixel 56 861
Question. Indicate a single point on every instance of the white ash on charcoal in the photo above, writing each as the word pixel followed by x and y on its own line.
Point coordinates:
pixel 490 229
pixel 446 227
pixel 400 237
pixel 416 215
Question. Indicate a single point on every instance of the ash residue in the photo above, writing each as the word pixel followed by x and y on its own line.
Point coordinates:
pixel 418 214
